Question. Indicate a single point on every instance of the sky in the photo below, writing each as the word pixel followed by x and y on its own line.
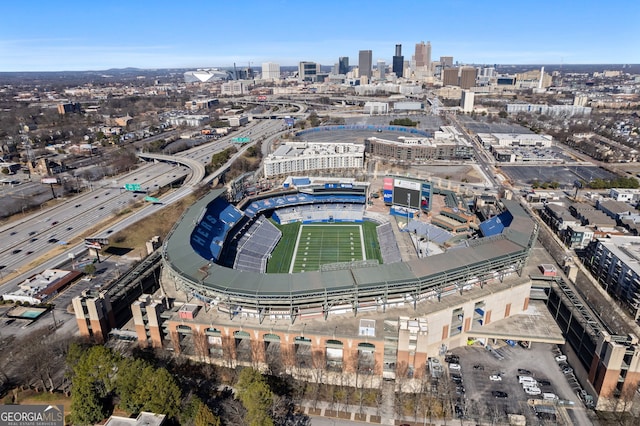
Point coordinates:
pixel 72 35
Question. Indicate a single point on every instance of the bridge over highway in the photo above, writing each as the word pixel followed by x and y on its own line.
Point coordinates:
pixel 197 169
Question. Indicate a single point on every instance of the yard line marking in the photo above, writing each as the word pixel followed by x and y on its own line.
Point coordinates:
pixel 364 254
pixel 295 250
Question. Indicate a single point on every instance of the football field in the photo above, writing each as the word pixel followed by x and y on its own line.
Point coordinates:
pixel 321 244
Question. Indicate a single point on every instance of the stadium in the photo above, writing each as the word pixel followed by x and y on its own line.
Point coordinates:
pixel 311 278
pixel 220 254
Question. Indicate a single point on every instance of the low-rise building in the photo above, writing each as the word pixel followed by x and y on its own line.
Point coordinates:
pixel 616 209
pixel 626 195
pixel 489 140
pixel 40 287
pixel 189 120
pixel 578 236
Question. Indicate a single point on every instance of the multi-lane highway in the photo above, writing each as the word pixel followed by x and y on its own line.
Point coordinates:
pixel 46 232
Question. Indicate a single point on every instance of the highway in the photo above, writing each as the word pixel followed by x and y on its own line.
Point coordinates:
pixel 48 232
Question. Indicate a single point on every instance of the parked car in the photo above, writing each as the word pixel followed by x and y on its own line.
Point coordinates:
pixel 459 412
pixel 523 372
pixel 567 370
pixel 495 378
pixel 454 366
pixel 532 390
pixel 452 358
pixel 499 394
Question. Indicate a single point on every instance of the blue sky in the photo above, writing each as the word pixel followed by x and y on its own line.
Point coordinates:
pixel 45 35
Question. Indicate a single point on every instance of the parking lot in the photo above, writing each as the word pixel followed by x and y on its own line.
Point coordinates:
pixel 493 398
pixel 565 175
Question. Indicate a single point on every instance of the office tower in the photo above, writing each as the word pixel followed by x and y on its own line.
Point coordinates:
pixel 365 62
pixel 423 55
pixel 467 77
pixel 450 76
pixel 381 67
pixel 446 61
pixel 428 54
pixel 398 61
pixel 308 71
pixel 466 102
pixel 270 71
pixel 343 65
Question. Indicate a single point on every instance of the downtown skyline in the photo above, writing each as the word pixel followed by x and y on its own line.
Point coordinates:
pixel 77 36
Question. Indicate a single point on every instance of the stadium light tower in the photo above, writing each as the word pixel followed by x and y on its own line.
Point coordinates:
pixel 408 206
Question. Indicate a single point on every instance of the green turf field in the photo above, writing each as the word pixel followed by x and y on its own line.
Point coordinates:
pixel 304 247
pixel 318 244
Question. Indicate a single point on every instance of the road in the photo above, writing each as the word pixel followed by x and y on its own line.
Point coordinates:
pixel 485 162
pixel 27 240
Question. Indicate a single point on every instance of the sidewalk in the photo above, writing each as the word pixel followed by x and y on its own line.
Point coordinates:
pixel 353 413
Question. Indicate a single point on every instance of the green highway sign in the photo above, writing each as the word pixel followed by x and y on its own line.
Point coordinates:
pixel 241 140
pixel 151 199
pixel 132 187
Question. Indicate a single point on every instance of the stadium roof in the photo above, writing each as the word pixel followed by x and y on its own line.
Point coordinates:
pixel 477 255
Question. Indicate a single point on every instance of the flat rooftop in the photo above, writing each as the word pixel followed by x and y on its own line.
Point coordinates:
pixel 536 324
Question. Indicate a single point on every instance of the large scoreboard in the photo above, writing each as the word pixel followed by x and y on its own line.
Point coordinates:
pixel 405 192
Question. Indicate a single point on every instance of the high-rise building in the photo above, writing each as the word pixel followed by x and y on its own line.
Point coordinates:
pixel 343 65
pixel 450 76
pixel 381 67
pixel 466 102
pixel 308 71
pixel 398 61
pixel 467 77
pixel 446 61
pixel 365 62
pixel 423 55
pixel 270 71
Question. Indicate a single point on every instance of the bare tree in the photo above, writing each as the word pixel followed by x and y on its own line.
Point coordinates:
pixel 201 344
pixel 229 350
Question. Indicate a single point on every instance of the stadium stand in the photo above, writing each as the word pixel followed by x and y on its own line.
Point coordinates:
pixel 433 233
pixel 496 224
pixel 259 205
pixel 320 213
pixel 256 245
pixel 388 245
pixel 212 227
pixel 451 199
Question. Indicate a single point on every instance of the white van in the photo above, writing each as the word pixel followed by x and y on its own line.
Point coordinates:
pixel 526 379
pixel 547 396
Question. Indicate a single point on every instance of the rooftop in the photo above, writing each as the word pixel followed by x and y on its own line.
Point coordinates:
pixel 144 419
